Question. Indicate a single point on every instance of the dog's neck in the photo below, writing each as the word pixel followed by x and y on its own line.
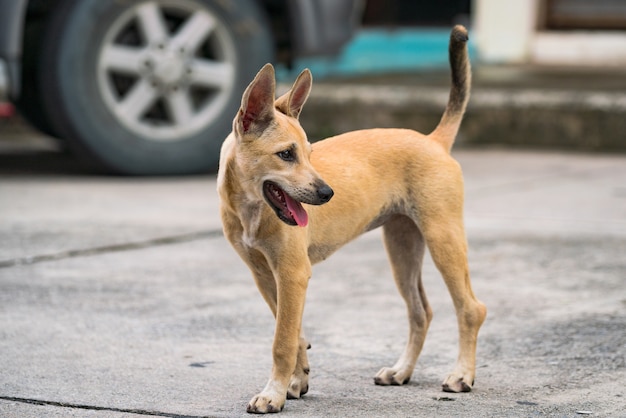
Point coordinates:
pixel 235 200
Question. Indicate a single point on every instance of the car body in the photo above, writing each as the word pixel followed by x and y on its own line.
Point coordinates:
pixel 151 86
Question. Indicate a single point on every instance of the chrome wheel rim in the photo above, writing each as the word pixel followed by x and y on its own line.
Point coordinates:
pixel 166 69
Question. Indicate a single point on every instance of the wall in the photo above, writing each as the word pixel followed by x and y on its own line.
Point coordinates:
pixel 510 31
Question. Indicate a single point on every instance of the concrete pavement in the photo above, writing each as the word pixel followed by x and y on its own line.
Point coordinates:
pixel 119 297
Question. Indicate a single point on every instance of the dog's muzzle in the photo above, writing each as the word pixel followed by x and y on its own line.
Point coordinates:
pixel 289 209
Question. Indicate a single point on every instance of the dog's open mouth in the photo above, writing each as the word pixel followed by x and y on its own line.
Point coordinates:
pixel 287 208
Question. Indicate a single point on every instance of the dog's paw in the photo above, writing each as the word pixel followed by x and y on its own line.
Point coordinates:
pixel 264 404
pixel 299 384
pixel 390 376
pixel 457 383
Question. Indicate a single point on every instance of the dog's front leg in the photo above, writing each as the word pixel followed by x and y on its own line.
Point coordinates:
pixel 291 283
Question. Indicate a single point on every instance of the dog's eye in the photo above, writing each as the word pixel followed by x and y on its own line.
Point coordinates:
pixel 287 155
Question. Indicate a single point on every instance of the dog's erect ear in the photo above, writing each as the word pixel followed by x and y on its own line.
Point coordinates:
pixel 291 102
pixel 257 102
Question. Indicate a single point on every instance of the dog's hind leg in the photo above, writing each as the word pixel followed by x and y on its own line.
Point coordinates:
pixel 405 246
pixel 299 383
pixel 445 237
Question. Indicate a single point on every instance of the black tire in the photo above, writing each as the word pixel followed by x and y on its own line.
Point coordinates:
pixel 30 102
pixel 157 141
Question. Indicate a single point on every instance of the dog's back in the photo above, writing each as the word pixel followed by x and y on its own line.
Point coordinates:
pixel 373 171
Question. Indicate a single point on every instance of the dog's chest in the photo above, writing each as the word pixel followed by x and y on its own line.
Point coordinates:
pixel 251 221
pixel 248 241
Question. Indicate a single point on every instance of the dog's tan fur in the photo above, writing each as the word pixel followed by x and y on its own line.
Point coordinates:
pixel 396 178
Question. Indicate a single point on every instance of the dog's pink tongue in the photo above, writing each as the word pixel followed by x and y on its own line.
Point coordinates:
pixel 297 211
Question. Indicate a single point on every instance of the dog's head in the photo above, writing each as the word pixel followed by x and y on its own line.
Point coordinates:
pixel 272 150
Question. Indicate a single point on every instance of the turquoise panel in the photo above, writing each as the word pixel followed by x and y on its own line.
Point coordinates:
pixel 382 51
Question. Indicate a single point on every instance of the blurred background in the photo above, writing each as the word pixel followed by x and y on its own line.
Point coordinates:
pixel 150 87
pixel 408 34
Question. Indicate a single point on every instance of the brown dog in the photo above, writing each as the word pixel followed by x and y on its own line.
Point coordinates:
pixel 400 179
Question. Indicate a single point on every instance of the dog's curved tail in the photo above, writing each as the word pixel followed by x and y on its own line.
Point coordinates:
pixel 445 133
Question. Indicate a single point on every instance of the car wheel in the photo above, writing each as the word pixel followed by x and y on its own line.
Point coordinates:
pixel 151 87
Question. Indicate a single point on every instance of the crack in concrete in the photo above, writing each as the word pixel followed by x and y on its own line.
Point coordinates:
pixel 97 408
pixel 83 252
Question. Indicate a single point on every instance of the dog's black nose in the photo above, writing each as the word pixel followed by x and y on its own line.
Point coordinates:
pixel 325 193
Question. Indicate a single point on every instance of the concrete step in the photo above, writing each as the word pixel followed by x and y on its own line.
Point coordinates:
pixel 528 107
